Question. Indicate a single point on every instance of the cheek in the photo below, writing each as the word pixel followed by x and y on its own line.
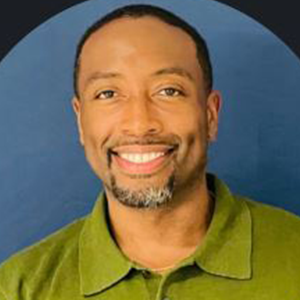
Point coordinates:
pixel 192 129
pixel 96 127
pixel 96 130
pixel 189 122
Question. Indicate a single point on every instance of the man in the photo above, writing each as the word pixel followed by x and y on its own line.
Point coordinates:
pixel 163 228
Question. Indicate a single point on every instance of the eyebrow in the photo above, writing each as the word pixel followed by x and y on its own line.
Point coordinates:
pixel 174 71
pixel 165 71
pixel 100 75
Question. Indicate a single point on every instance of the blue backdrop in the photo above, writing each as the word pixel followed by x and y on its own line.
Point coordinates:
pixel 44 179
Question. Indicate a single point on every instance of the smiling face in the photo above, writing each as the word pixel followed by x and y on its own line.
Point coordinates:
pixel 144 116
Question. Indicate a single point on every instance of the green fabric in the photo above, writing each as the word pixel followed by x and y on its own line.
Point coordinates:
pixel 251 251
pixel 152 281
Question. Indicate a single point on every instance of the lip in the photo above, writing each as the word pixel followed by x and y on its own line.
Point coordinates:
pixel 142 167
pixel 142 149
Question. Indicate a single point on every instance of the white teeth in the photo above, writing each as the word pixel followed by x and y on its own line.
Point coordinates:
pixel 141 157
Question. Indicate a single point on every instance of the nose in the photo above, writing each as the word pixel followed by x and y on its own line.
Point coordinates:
pixel 140 119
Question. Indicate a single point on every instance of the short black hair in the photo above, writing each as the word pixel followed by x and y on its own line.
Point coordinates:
pixel 142 10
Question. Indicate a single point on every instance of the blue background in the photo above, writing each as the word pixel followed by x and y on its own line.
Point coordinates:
pixel 45 181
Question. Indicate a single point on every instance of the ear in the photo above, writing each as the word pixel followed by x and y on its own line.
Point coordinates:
pixel 77 107
pixel 213 103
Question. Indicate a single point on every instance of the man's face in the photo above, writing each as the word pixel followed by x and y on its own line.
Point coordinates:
pixel 144 116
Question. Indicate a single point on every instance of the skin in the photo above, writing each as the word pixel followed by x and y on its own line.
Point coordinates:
pixel 140 93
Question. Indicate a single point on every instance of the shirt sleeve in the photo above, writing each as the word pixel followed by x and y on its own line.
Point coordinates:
pixel 11 285
pixel 2 296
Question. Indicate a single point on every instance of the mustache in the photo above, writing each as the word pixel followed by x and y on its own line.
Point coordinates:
pixel 169 140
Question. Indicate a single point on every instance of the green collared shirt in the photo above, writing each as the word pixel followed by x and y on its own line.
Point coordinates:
pixel 251 251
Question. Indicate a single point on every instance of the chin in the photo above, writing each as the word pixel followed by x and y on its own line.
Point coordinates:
pixel 143 195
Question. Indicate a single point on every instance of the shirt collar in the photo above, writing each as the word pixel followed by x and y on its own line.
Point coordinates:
pixel 227 247
pixel 225 251
pixel 101 263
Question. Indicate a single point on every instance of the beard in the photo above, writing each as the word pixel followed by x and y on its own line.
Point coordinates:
pixel 147 198
pixel 151 196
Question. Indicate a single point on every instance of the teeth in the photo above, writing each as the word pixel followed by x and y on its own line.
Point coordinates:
pixel 141 157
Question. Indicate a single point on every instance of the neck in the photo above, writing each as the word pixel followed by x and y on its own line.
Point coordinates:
pixel 160 238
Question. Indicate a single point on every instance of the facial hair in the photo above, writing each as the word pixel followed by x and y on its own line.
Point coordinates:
pixel 147 198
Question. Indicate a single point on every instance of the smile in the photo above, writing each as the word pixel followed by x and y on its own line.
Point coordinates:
pixel 142 159
pixel 139 158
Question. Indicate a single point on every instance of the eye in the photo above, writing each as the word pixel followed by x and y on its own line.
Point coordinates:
pixel 170 92
pixel 106 94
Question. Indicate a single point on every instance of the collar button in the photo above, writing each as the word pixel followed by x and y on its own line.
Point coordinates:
pixel 146 274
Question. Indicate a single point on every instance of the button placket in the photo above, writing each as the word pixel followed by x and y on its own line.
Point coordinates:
pixel 146 274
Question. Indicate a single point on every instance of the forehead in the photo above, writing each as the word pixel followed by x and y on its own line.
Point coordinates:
pixel 145 43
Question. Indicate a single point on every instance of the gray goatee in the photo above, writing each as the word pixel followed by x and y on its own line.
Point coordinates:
pixel 150 197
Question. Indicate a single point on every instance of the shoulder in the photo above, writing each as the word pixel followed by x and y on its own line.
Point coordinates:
pixel 277 218
pixel 46 255
pixel 275 230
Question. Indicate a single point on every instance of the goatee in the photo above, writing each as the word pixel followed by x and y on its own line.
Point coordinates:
pixel 148 198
